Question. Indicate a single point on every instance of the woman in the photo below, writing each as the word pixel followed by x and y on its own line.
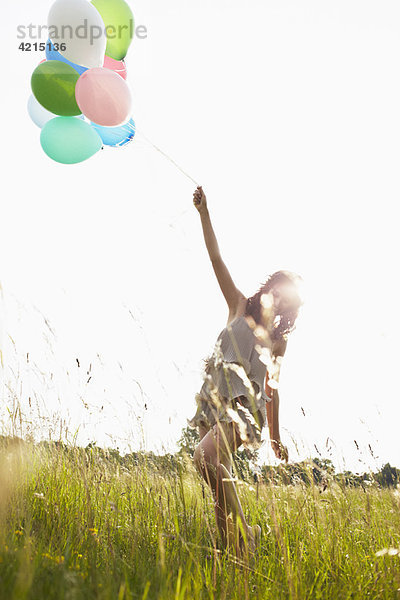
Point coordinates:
pixel 237 397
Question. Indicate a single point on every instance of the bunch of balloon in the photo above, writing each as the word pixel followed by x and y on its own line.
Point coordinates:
pixel 80 98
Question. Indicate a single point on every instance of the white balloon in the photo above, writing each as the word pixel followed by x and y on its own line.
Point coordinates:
pixel 38 113
pixel 78 25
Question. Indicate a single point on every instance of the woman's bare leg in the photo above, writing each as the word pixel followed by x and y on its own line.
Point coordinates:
pixel 212 458
pixel 232 504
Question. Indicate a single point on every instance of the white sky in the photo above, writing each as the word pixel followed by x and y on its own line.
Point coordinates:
pixel 288 114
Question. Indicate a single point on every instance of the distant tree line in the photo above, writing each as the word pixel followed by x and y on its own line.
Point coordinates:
pixel 320 472
pixel 316 471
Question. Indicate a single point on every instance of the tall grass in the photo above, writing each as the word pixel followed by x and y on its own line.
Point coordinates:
pixel 76 524
pixel 80 524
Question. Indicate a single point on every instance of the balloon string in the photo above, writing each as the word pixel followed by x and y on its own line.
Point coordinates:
pixel 166 156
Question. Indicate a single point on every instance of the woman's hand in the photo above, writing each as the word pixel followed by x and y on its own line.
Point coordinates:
pixel 200 200
pixel 280 450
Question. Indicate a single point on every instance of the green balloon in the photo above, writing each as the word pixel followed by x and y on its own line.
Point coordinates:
pixel 120 26
pixel 53 85
pixel 68 140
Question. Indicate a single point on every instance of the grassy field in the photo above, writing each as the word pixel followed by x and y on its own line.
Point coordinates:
pixel 77 525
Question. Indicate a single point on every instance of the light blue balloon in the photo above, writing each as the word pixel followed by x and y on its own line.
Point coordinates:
pixel 52 54
pixel 116 136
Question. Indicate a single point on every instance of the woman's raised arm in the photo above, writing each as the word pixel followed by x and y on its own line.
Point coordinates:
pixel 231 294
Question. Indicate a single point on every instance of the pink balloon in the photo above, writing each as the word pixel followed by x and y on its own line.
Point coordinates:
pixel 118 66
pixel 103 97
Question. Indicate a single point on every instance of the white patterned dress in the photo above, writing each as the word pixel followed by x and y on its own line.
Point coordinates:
pixel 234 384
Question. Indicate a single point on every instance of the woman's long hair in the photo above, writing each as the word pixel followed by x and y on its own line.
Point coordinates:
pixel 287 318
pixel 254 309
